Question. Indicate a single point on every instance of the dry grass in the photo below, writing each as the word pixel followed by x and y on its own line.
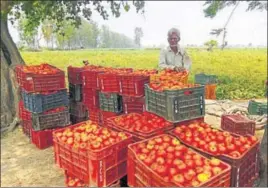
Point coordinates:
pixel 24 165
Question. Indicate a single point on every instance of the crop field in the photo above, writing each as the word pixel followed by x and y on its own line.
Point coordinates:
pixel 241 72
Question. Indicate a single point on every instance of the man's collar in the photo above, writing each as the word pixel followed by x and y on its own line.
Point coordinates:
pixel 179 49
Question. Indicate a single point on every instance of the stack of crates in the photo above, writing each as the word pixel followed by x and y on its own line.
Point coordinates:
pixel 78 110
pixel 45 105
pixel 210 84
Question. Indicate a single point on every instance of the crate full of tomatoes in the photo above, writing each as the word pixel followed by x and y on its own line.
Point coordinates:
pixel 141 126
pixel 97 156
pixel 132 84
pixel 43 101
pixel 175 101
pixel 38 78
pixel 162 161
pixel 241 152
pixel 57 117
pixel 109 80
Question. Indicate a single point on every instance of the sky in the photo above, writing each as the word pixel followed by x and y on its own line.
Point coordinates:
pixel 188 17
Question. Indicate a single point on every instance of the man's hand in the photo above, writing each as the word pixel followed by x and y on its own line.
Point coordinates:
pixel 179 69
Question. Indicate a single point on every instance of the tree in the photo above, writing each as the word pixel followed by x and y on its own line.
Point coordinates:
pixel 211 44
pixel 48 30
pixel 213 7
pixel 36 12
pixel 65 33
pixel 138 35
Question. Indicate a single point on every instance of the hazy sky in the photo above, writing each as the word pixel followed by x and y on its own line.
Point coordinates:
pixel 160 16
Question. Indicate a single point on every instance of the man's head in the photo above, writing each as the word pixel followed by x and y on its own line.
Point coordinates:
pixel 173 37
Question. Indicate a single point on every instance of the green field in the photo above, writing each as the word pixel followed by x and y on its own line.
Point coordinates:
pixel 242 72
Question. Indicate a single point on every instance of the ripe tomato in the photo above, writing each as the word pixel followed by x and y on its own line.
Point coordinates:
pixel 231 147
pixel 178 178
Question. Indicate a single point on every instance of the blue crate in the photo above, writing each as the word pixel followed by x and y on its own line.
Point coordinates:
pixel 38 103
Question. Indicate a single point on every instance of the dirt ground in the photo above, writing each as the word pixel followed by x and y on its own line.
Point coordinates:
pixel 23 165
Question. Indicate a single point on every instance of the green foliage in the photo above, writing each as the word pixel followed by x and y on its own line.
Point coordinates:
pixel 241 72
pixel 211 44
pixel 38 11
pixel 213 7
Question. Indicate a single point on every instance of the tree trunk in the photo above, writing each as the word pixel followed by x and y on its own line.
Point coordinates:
pixel 10 57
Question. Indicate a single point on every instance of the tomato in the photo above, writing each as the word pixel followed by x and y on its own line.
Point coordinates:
pixel 198 162
pixel 189 163
pixel 161 153
pixel 213 149
pixel 161 170
pixel 172 172
pixel 216 170
pixel 215 162
pixel 237 143
pixel 189 175
pixel 178 178
pixel 231 147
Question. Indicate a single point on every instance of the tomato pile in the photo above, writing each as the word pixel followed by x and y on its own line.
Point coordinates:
pixel 170 85
pixel 40 69
pixel 213 141
pixel 175 162
pixel 89 136
pixel 143 72
pixel 144 123
pixel 74 182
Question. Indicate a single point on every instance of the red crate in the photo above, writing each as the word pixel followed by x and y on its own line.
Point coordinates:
pixel 40 82
pixel 105 115
pixel 133 104
pixel 187 122
pixel 238 124
pixel 90 98
pixel 90 78
pixel 23 113
pixel 27 127
pixel 74 74
pixel 132 85
pixel 42 139
pixel 94 115
pixel 140 175
pixel 244 169
pixel 109 82
pixel 96 168
pixel 137 135
pixel 72 181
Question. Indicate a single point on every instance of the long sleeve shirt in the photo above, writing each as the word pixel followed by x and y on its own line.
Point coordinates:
pixel 169 59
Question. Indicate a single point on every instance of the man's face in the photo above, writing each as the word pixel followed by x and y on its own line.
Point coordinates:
pixel 173 40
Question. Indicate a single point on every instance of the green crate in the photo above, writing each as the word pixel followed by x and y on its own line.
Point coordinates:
pixel 176 106
pixel 205 79
pixel 257 108
pixel 110 102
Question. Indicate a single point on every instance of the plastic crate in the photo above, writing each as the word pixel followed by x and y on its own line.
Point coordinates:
pixel 40 82
pixel 133 104
pixel 51 120
pixel 244 169
pixel 80 183
pixel 23 113
pixel 132 85
pixel 110 102
pixel 90 98
pixel 74 75
pixel 140 175
pixel 210 91
pixel 238 124
pixel 137 135
pixel 75 91
pixel 205 79
pixel 96 168
pixel 105 115
pixel 257 108
pixel 78 109
pixel 176 105
pixel 109 82
pixel 90 78
pixel 38 103
pixel 42 139
pixel 27 128
pixel 94 115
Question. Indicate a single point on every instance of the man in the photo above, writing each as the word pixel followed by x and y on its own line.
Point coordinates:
pixel 174 56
